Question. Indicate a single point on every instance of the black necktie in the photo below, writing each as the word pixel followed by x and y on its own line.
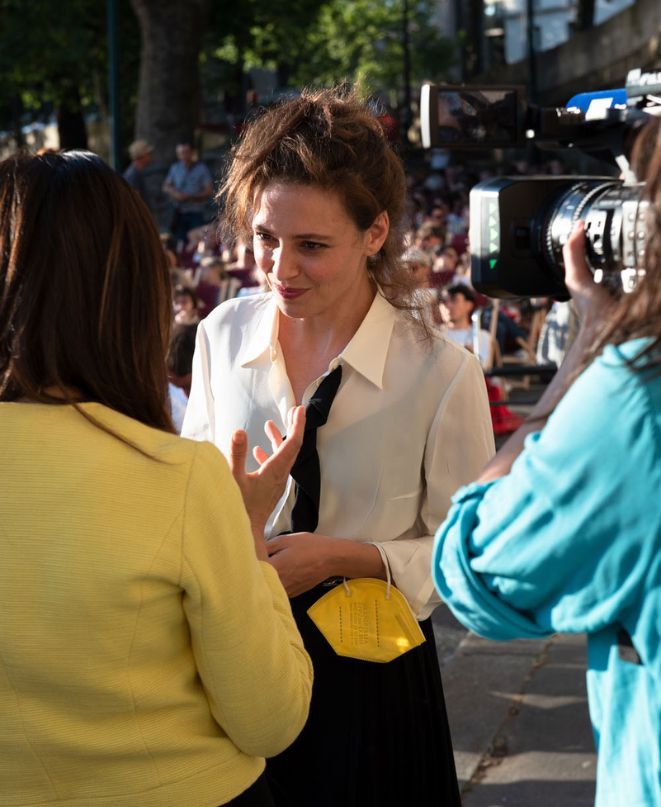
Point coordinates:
pixel 305 471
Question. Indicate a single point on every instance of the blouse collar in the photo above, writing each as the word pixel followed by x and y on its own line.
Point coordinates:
pixel 366 352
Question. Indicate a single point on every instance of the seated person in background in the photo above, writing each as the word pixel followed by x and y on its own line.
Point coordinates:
pixel 180 356
pixel 444 267
pixel 511 337
pixel 463 267
pixel 214 285
pixel 457 307
pixel 185 306
pixel 429 237
pixel 169 247
pixel 180 364
pixel 558 332
pixel 243 266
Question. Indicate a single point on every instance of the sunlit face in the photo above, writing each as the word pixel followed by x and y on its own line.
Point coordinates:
pixel 447 261
pixel 184 308
pixel 458 310
pixel 312 253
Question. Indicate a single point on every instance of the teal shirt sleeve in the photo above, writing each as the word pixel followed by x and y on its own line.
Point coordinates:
pixel 570 539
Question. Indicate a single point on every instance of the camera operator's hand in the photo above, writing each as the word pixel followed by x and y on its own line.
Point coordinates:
pixel 593 301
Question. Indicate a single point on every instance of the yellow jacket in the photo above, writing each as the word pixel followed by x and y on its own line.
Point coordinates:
pixel 147 659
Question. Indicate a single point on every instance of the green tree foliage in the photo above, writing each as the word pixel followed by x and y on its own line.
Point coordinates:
pixel 362 41
pixel 312 43
pixel 54 55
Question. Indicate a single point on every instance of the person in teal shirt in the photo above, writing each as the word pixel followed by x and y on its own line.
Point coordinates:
pixel 562 530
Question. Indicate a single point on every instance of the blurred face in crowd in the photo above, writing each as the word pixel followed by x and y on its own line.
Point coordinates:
pixel 456 310
pixel 143 161
pixel 429 242
pixel 438 215
pixel 185 153
pixel 184 307
pixel 447 260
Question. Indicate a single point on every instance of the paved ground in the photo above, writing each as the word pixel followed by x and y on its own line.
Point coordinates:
pixel 519 719
pixel 518 714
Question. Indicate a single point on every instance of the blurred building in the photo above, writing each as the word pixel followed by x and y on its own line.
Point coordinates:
pixel 555 48
pixel 554 23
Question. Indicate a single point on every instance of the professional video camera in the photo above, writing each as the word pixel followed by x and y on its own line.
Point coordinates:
pixel 518 225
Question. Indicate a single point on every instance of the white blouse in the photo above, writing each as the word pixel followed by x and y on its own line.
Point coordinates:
pixel 409 425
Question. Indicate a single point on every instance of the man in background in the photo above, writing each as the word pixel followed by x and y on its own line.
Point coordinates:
pixel 141 153
pixel 189 186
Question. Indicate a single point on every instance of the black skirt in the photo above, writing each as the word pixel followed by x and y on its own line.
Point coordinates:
pixel 377 734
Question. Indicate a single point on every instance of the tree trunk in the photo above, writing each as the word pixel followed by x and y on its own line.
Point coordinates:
pixel 169 86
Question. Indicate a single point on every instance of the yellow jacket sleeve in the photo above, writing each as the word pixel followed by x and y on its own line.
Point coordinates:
pixel 250 656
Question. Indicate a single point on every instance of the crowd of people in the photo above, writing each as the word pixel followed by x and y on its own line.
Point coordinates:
pixel 161 641
pixel 208 268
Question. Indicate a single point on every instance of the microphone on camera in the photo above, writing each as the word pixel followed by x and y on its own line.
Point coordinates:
pixel 594 104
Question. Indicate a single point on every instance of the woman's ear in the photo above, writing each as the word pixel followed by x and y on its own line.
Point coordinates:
pixel 377 233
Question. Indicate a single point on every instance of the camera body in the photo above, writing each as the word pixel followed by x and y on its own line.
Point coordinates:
pixel 518 225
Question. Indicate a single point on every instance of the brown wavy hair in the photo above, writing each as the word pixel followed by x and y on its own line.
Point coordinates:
pixel 332 140
pixel 85 302
pixel 638 314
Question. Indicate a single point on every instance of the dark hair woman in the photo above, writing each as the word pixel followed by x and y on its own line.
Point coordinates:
pixel 563 534
pixel 316 185
pixel 148 656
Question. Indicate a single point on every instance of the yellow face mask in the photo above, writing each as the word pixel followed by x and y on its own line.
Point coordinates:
pixel 367 619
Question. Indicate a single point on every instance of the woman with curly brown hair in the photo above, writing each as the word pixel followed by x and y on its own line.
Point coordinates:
pixel 316 186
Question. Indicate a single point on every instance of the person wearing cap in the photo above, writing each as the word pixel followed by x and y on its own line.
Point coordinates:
pixel 141 153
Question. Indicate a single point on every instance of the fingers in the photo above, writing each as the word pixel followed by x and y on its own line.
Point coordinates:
pixel 273 434
pixel 260 455
pixel 289 449
pixel 297 425
pixel 592 300
pixel 274 545
pixel 284 451
pixel 238 453
pixel 285 541
pixel 577 272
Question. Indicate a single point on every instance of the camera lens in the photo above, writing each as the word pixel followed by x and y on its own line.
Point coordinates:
pixel 615 225
pixel 519 227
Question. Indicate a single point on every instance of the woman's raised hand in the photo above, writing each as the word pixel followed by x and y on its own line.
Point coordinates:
pixel 261 489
